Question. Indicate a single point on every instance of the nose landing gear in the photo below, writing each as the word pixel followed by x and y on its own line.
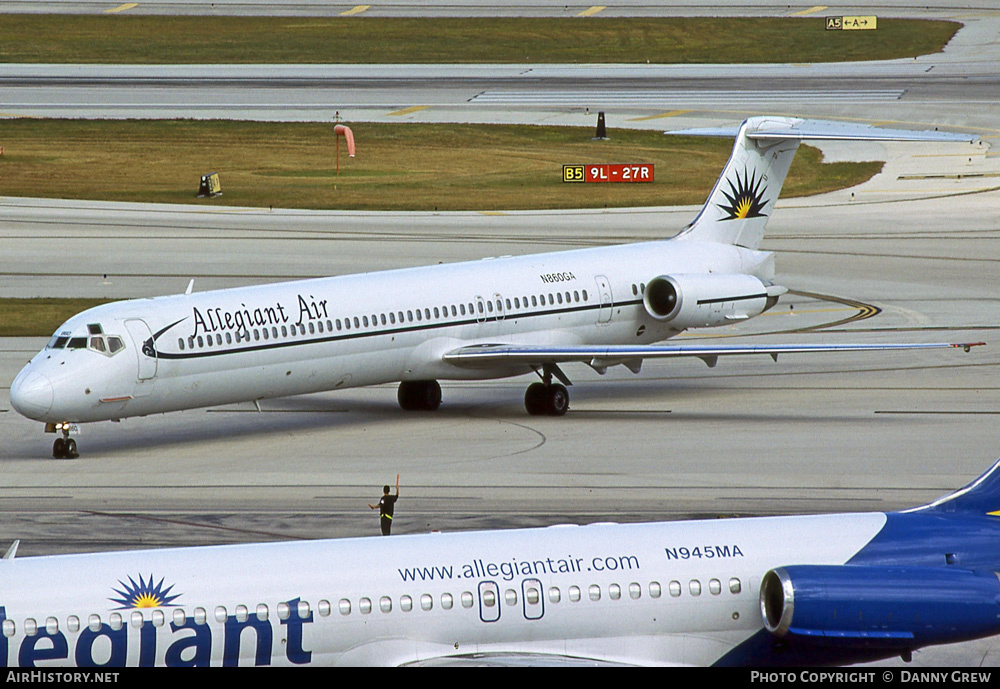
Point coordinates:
pixel 64 447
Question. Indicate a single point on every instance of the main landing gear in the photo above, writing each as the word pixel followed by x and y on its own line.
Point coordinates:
pixel 548 398
pixel 419 395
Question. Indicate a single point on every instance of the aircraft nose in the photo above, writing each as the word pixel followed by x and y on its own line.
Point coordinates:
pixel 31 395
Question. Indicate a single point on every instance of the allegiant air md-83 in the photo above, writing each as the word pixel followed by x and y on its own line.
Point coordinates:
pixel 465 321
pixel 794 591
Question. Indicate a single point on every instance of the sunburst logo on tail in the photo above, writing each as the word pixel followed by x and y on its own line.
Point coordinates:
pixel 745 196
pixel 144 594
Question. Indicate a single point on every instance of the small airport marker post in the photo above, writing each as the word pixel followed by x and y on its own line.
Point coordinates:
pixel 210 186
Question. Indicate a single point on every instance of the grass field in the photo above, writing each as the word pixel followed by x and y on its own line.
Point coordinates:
pixel 123 39
pixel 398 166
pixel 39 317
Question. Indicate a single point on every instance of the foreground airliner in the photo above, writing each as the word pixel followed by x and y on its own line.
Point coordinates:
pixel 476 320
pixel 770 591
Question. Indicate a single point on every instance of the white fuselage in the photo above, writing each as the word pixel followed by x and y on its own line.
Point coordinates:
pixel 306 336
pixel 667 593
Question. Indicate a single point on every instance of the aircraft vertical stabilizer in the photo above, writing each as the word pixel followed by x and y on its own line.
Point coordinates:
pixel 743 198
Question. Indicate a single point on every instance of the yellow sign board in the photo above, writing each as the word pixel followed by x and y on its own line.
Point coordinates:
pixel 859 23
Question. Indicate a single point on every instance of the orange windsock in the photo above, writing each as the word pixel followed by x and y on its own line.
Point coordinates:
pixel 345 131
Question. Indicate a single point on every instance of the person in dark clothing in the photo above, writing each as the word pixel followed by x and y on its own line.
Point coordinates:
pixel 385 507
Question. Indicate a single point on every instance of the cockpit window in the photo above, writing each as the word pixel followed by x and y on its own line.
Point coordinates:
pixel 96 341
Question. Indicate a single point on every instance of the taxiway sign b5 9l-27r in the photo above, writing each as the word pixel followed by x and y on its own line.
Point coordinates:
pixel 466 321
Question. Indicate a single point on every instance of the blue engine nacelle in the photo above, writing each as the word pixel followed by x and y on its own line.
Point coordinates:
pixel 887 607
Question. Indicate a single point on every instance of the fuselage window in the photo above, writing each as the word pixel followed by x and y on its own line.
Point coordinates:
pixel 510 596
pixel 499 306
pixel 382 317
pixel 135 619
pixel 59 342
pixel 481 309
pixel 559 297
pixel 8 628
pixel 467 599
pixel 94 623
pixel 229 336
pixel 695 587
pixel 714 587
pixel 179 617
pixel 461 308
pixel 312 328
pixel 735 586
pixel 507 301
pixel 405 603
pixel 576 296
pixel 115 621
pixel 420 316
pixel 262 612
pixel 642 288
pixel 52 625
pixel 585 295
pixel 200 615
pixel 574 594
pixel 77 343
pixel 385 604
pixel 534 300
pixel 264 330
pixel 73 623
pixel 221 614
pixel 392 318
pixel 426 602
pixel 595 592
pixel 447 601
pixel 256 335
pixel 303 610
pixel 634 590
pixel 345 606
pixel 555 595
pixel 30 627
pixel 517 302
pixel 635 290
pixel 364 319
pixel 284 331
pixel 329 325
pixel 242 613
pixel 319 326
pixel 180 343
pixel 614 592
pixel 489 598
pixel 454 311
pixel 347 323
pixel 437 314
pixel 654 589
pixel 97 344
pixel 675 588
pixel 340 326
pixel 201 342
pixel 95 329
pixel 409 316
pixel 365 605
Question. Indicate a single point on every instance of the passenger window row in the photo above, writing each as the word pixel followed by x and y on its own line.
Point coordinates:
pixel 158 617
pixel 496 307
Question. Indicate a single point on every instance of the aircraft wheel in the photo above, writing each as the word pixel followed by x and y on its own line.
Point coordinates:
pixel 71 452
pixel 59 448
pixel 534 399
pixel 419 395
pixel 557 400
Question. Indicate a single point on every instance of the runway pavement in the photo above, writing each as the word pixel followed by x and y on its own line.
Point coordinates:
pixel 914 249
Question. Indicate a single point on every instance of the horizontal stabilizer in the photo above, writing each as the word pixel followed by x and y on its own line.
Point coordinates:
pixel 821 130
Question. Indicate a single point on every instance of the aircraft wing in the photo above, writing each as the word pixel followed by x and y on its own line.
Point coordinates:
pixel 600 357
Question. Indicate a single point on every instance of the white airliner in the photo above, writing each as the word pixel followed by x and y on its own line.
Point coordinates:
pixel 807 590
pixel 476 320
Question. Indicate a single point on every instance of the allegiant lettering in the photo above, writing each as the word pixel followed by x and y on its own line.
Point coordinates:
pixel 216 319
pixel 189 644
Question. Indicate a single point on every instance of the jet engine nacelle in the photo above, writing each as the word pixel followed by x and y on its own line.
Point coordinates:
pixel 708 299
pixel 883 607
